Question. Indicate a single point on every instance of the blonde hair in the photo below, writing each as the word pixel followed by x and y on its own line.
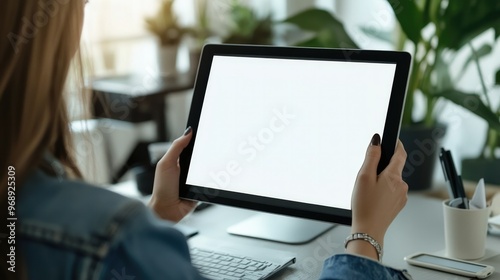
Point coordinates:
pixel 40 41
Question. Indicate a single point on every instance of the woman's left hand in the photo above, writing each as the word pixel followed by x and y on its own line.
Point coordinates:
pixel 165 199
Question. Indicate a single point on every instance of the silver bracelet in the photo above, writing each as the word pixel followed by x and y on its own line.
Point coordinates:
pixel 369 239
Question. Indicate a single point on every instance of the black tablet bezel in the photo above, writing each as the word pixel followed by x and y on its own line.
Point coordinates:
pixel 278 206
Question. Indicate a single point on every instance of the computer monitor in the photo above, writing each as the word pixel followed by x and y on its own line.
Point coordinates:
pixel 284 130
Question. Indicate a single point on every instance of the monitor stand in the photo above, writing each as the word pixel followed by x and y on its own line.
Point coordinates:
pixel 280 228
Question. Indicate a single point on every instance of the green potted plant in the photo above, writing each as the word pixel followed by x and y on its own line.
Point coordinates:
pixel 454 24
pixel 164 25
pixel 487 164
pixel 247 27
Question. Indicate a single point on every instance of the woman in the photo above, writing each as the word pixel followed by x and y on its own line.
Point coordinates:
pixel 67 229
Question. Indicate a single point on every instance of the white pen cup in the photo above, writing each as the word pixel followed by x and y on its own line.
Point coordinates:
pixel 465 231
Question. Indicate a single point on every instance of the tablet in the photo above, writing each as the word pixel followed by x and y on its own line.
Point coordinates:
pixel 285 129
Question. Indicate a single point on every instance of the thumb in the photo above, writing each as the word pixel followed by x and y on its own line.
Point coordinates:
pixel 173 153
pixel 372 156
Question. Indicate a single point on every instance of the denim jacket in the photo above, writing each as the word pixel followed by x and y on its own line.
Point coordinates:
pixel 346 266
pixel 72 230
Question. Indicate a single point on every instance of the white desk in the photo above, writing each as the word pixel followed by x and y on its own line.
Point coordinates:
pixel 419 227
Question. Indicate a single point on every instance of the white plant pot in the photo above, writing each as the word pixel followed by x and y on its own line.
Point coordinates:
pixel 167 60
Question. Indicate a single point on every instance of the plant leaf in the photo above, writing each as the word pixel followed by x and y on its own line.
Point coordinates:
pixel 426 10
pixel 410 17
pixel 443 76
pixel 313 20
pixel 497 77
pixel 462 21
pixel 435 10
pixel 382 35
pixel 330 32
pixel 481 52
pixel 473 103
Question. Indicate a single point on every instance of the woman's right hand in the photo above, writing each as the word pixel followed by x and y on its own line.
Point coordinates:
pixel 377 199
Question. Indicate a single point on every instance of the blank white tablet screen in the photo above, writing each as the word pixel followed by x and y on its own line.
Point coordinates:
pixel 287 128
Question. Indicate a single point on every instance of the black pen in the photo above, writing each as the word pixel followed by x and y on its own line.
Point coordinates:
pixel 457 181
pixel 452 192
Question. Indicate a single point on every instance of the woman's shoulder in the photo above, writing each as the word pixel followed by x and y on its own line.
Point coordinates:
pixel 89 224
pixel 71 204
pixel 73 215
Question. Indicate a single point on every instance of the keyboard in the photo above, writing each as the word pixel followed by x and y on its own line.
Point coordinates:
pixel 236 262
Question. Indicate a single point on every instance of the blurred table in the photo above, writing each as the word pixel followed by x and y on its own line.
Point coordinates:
pixel 137 98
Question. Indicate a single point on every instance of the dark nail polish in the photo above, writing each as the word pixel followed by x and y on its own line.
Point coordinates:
pixel 375 140
pixel 187 131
